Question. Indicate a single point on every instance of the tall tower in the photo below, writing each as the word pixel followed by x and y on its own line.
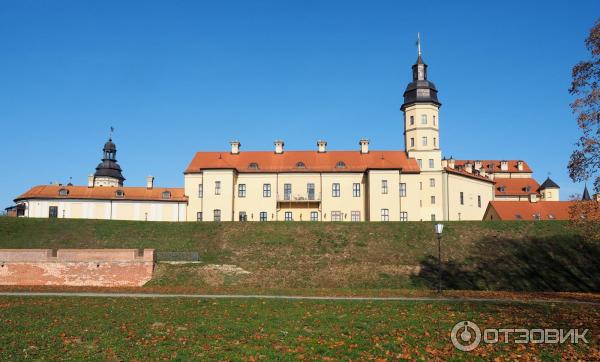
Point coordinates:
pixel 422 140
pixel 421 121
pixel 108 172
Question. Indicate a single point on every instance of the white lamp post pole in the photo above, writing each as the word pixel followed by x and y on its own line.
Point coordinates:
pixel 439 228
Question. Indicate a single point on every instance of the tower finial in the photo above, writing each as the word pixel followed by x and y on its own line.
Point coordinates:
pixel 112 129
pixel 419 43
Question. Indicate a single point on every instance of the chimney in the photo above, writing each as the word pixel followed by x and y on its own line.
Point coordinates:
pixel 478 164
pixel 321 146
pixel 520 165
pixel 469 167
pixel 364 145
pixel 482 172
pixel 149 182
pixel 279 146
pixel 504 165
pixel 91 181
pixel 235 147
pixel 451 162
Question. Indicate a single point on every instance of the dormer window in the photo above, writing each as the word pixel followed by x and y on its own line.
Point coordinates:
pixel 253 166
pixel 120 194
pixel 300 165
pixel 63 192
pixel 340 164
pixel 551 216
pixel 527 188
pixel 166 194
pixel 502 188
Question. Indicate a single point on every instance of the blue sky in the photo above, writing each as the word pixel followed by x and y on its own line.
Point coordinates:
pixel 177 77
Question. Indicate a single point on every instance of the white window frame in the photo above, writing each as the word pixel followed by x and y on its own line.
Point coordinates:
pixel 241 190
pixel 385 214
pixel 384 187
pixel 335 189
pixel 266 190
pixel 403 216
pixel 355 216
pixel 336 215
pixel 288 216
pixel 217 187
pixel 356 190
pixel 402 189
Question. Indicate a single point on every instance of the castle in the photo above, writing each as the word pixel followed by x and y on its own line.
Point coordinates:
pixel 414 184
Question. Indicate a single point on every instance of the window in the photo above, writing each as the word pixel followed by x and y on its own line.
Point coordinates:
pixel 310 190
pixel 412 142
pixel 431 165
pixel 266 190
pixel 242 190
pixel 340 164
pixel 287 191
pixel 356 190
pixel 166 194
pixel 335 190
pixel 53 212
pixel 434 121
pixel 432 217
pixel 403 216
pixel 253 166
pixel 433 200
pixel 355 216
pixel 431 182
pixel 217 187
pixel 314 216
pixel 63 192
pixel 385 215
pixel 199 216
pixel 200 191
pixel 412 120
pixel 501 188
pixel 263 216
pixel 424 141
pixel 420 185
pixel 423 119
pixel 120 194
pixel 217 214
pixel 537 216
pixel 384 187
pixel 462 198
pixel 420 162
pixel 336 216
pixel 288 216
pixel 243 216
pixel 478 200
pixel 402 190
pixel 300 165
pixel 434 141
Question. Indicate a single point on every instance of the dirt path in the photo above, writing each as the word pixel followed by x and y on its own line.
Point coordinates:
pixel 288 297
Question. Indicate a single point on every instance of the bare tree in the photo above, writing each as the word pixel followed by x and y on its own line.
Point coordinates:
pixel 585 160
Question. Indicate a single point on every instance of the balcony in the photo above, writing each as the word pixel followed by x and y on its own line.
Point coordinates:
pixel 298 201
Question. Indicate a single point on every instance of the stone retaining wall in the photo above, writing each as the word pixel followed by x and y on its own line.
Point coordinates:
pixel 76 267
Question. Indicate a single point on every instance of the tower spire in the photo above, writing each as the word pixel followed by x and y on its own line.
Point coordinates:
pixel 419 44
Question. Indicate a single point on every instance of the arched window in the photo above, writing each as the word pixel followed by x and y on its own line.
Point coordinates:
pixel 120 193
pixel 166 195
pixel 253 166
pixel 63 192
pixel 300 164
pixel 340 164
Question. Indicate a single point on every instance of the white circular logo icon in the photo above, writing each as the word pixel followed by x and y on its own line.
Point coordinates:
pixel 466 336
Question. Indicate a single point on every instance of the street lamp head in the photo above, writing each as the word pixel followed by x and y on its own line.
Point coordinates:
pixel 438 229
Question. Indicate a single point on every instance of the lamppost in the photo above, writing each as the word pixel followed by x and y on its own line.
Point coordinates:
pixel 439 228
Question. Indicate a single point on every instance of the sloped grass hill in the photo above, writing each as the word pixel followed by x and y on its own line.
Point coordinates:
pixel 528 256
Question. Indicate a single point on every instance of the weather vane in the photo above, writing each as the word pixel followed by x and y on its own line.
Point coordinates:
pixel 112 129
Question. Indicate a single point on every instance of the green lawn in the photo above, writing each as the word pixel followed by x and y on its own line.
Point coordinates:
pixel 250 329
pixel 513 256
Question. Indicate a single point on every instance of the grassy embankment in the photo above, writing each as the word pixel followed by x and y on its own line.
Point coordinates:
pixel 512 256
pixel 117 329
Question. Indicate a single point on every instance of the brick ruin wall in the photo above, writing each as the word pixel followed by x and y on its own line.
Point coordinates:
pixel 76 267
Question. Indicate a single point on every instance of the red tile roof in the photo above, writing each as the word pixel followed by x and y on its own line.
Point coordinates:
pixel 313 161
pixel 103 193
pixel 524 210
pixel 467 174
pixel 516 186
pixel 493 166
